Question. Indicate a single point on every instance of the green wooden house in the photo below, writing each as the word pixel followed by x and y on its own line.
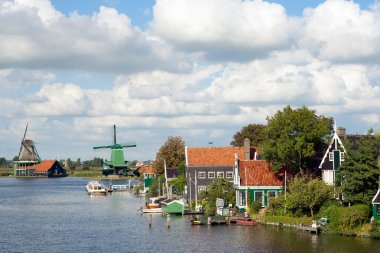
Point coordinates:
pixel 173 206
pixel 376 206
pixel 255 181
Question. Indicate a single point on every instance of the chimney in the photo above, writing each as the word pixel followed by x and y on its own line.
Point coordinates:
pixel 341 132
pixel 247 149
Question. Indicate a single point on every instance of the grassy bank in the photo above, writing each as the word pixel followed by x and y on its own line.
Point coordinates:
pixel 288 220
pixel 6 172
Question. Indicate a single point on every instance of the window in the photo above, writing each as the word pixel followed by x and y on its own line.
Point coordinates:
pixel 220 174
pixel 201 174
pixel 331 156
pixel 201 188
pixel 241 198
pixel 211 174
pixel 229 174
pixel 271 194
pixel 342 156
pixel 259 197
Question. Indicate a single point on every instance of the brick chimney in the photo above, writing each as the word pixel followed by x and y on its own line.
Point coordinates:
pixel 247 149
pixel 341 132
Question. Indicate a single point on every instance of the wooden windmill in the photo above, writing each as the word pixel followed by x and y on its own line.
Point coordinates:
pixel 28 151
pixel 117 165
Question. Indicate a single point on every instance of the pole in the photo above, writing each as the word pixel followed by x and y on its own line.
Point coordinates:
pixel 196 191
pixel 190 188
pixel 166 180
pixel 285 190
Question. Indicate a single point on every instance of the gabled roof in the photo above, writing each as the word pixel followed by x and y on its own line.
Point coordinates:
pixel 212 156
pixel 43 166
pixel 257 173
pixel 376 198
pixel 335 141
pixel 146 169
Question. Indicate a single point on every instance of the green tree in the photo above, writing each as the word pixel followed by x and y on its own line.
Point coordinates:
pixel 254 132
pixel 305 193
pixel 359 173
pixel 295 137
pixel 173 152
pixel 3 162
pixel 219 188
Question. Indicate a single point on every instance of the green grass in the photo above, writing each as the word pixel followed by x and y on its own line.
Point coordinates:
pixel 85 173
pixel 288 220
pixel 5 172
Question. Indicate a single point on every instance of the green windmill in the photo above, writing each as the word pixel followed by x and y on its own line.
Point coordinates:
pixel 117 165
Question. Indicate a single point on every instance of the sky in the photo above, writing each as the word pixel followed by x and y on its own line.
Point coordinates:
pixel 199 69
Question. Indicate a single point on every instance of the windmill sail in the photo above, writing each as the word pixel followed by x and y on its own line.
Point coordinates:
pixel 28 151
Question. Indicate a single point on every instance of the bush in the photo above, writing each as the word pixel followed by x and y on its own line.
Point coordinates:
pixel 346 220
pixel 255 206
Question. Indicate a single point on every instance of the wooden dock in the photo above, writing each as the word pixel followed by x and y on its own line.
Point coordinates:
pixel 313 230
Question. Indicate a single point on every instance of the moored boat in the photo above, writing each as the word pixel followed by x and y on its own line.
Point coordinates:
pixel 248 222
pixel 154 202
pixel 96 188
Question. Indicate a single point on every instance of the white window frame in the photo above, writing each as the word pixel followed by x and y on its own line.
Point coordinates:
pixel 341 156
pixel 331 156
pixel 220 174
pixel 211 172
pixel 201 188
pixel 201 173
pixel 229 173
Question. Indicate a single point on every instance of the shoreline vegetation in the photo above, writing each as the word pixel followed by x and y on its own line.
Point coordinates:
pixel 345 224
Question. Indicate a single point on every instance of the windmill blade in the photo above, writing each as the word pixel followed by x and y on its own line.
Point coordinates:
pixel 129 144
pixel 22 141
pixel 99 147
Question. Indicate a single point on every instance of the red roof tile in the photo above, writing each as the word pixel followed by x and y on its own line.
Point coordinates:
pixel 213 156
pixel 257 173
pixel 43 166
pixel 146 169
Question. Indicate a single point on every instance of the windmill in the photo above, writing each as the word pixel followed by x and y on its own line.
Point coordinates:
pixel 117 165
pixel 28 151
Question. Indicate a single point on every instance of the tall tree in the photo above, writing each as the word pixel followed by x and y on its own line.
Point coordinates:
pixel 254 132
pixel 173 152
pixel 307 193
pixel 295 137
pixel 359 173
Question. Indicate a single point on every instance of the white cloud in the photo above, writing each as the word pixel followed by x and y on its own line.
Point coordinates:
pixel 226 29
pixel 339 30
pixel 105 41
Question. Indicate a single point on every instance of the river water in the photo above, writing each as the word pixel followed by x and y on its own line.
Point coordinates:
pixel 57 215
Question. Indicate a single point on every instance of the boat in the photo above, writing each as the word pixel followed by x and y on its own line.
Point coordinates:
pixel 152 210
pixel 96 188
pixel 248 222
pixel 198 220
pixel 154 202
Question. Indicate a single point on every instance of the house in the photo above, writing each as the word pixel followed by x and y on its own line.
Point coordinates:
pixel 376 206
pixel 333 157
pixel 148 172
pixel 205 164
pixel 47 168
pixel 255 181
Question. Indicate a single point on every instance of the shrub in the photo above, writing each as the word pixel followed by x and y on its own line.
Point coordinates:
pixel 255 206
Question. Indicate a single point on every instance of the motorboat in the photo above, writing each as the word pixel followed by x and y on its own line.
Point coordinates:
pixel 96 188
pixel 154 202
pixel 247 222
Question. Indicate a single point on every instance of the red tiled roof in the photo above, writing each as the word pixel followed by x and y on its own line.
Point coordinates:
pixel 43 166
pixel 213 156
pixel 257 173
pixel 146 169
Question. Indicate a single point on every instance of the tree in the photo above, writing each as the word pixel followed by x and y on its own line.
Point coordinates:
pixel 3 162
pixel 307 193
pixel 254 132
pixel 359 173
pixel 219 188
pixel 295 138
pixel 173 152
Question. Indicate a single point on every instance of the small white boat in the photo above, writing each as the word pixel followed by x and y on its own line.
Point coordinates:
pixel 152 210
pixel 96 188
pixel 154 202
